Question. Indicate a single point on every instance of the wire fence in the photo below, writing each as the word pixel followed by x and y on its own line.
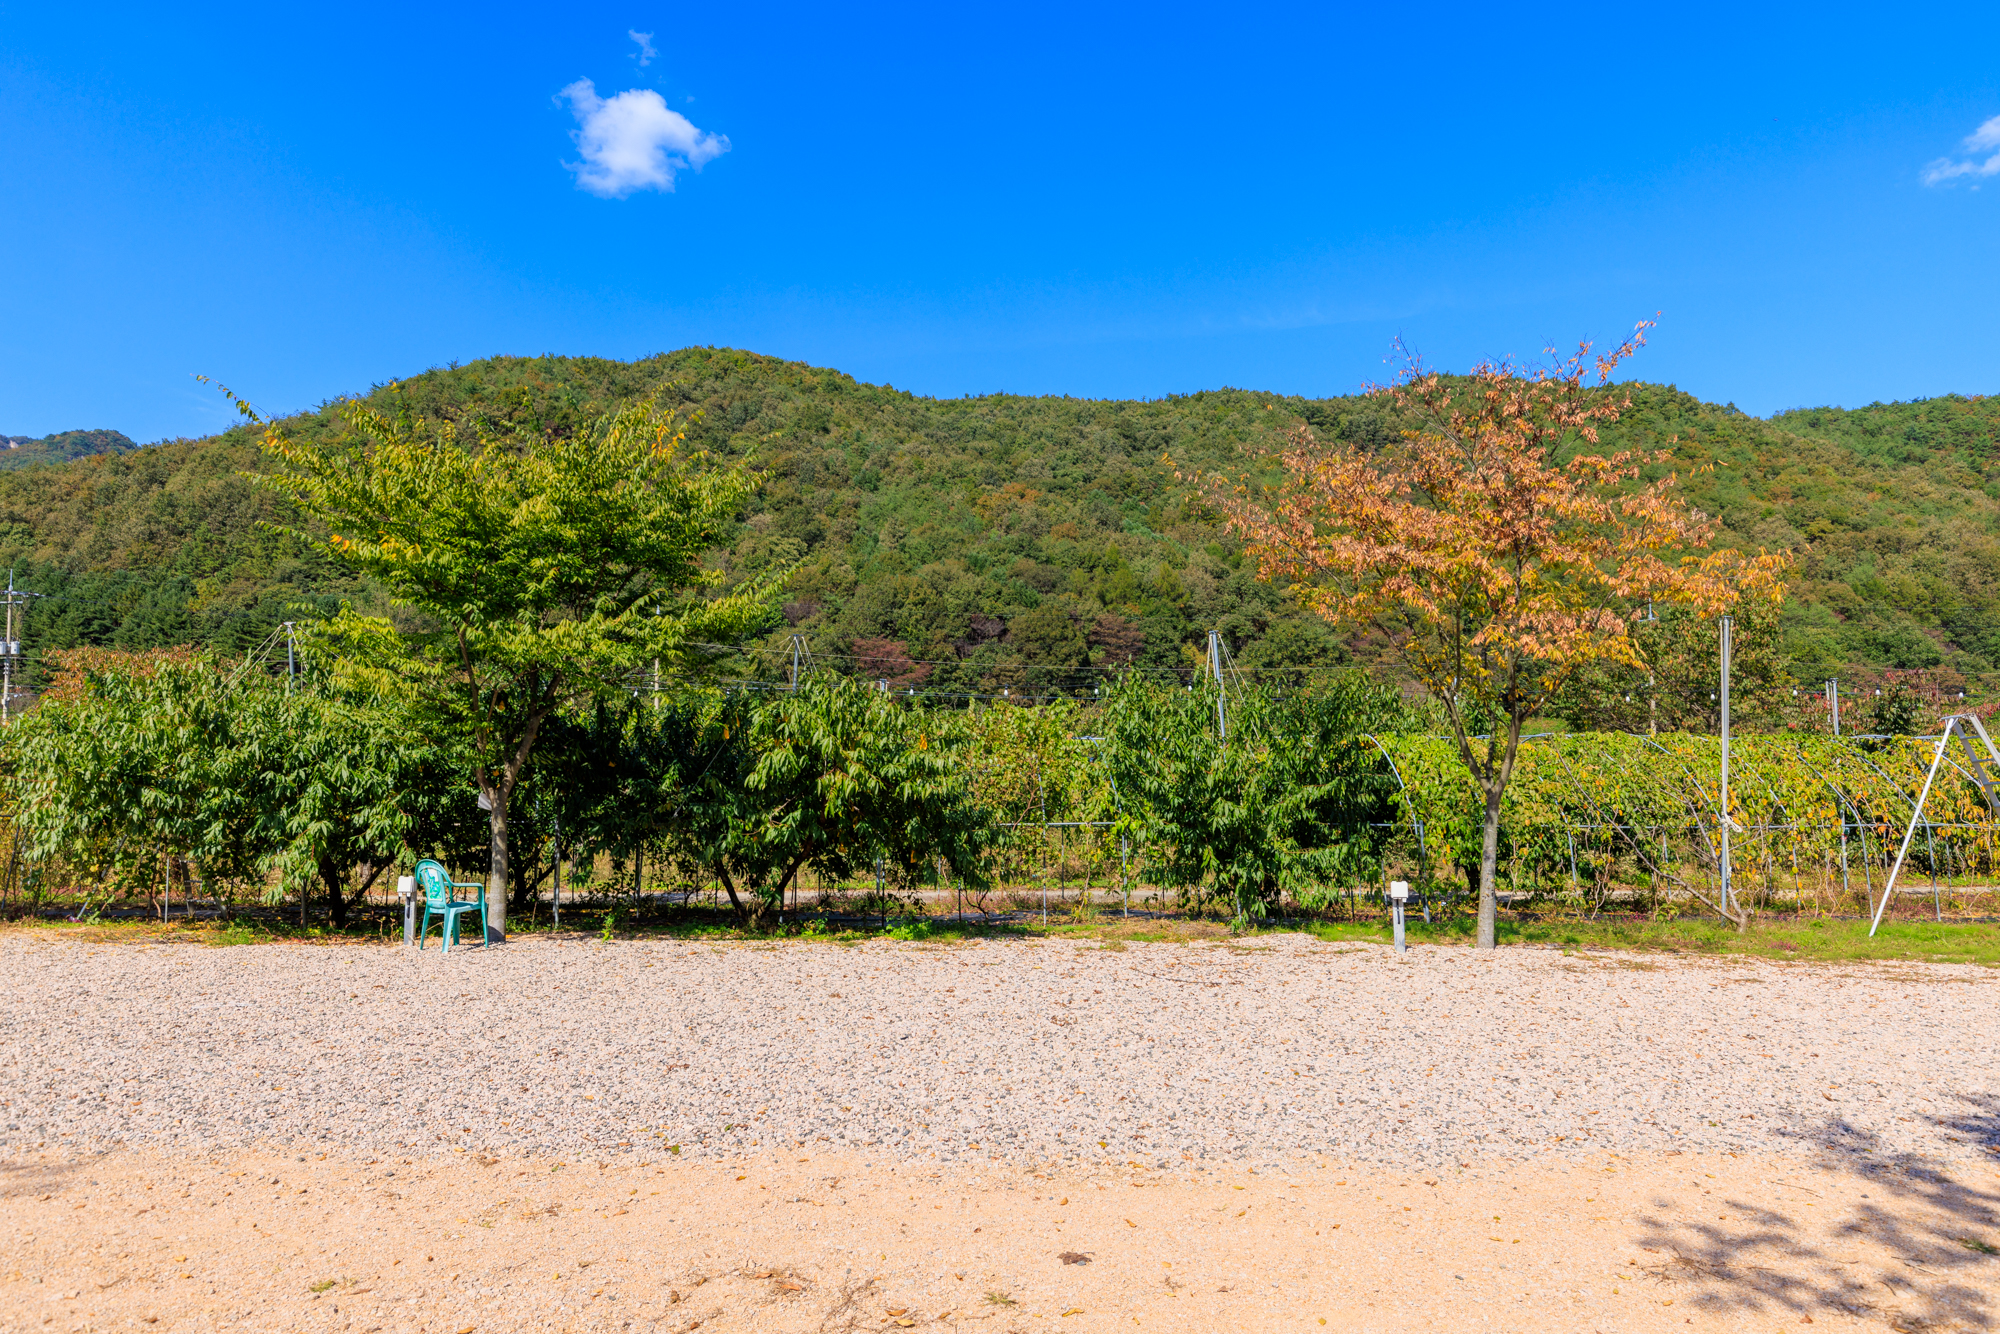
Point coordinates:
pixel 1590 822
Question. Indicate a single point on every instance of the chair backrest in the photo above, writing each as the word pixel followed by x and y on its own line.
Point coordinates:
pixel 433 880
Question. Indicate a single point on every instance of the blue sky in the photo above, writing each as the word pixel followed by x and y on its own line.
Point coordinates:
pixel 1064 199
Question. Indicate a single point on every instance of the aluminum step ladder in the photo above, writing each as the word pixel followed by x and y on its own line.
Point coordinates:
pixel 1985 772
pixel 1985 767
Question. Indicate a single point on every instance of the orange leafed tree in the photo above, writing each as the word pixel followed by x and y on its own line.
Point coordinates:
pixel 1495 546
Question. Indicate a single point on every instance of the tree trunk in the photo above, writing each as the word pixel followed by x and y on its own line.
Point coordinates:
pixel 1489 872
pixel 336 902
pixel 496 873
pixel 722 874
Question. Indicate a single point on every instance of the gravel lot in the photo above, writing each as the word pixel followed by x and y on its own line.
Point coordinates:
pixel 1030 1052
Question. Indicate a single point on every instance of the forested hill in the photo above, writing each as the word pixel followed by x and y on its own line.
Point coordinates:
pixel 21 451
pixel 999 539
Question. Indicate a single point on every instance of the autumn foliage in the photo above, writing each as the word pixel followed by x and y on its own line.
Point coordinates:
pixel 1494 546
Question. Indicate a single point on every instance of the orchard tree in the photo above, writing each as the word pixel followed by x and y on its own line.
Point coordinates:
pixel 534 575
pixel 343 785
pixel 1495 547
pixel 1284 804
pixel 829 776
pixel 135 761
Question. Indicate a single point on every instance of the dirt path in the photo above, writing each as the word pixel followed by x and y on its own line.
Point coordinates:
pixel 664 1135
pixel 135 1239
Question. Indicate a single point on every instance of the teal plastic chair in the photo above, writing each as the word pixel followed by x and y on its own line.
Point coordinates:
pixel 437 886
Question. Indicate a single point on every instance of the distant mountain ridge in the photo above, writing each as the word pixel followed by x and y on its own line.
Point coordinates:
pixel 24 451
pixel 998 541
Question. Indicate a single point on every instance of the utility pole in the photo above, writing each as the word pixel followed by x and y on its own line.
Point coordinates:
pixel 1215 669
pixel 10 648
pixel 291 656
pixel 1833 698
pixel 798 650
pixel 1652 683
pixel 1728 624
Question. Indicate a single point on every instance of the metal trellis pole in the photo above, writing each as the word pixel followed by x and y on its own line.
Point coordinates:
pixel 1215 669
pixel 1125 873
pixel 1728 623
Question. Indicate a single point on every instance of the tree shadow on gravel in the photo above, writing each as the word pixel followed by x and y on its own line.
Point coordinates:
pixel 33 1179
pixel 1942 1263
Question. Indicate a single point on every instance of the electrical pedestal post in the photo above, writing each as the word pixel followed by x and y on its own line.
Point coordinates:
pixel 1399 894
pixel 406 891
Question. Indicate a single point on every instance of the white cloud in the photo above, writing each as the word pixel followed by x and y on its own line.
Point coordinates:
pixel 1985 137
pixel 646 52
pixel 633 141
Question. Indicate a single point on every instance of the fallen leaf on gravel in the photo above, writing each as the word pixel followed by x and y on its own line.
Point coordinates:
pixel 790 1286
pixel 1074 1258
pixel 465 1329
pixel 1074 1310
pixel 1130 1223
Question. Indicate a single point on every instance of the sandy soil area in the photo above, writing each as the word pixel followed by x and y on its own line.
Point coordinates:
pixel 668 1136
pixel 251 1241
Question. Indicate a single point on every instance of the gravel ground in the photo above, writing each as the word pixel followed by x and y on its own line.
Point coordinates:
pixel 1022 1051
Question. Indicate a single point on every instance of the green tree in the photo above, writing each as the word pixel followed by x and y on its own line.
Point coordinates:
pixel 1282 805
pixel 137 760
pixel 829 776
pixel 1675 684
pixel 536 573
pixel 343 786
